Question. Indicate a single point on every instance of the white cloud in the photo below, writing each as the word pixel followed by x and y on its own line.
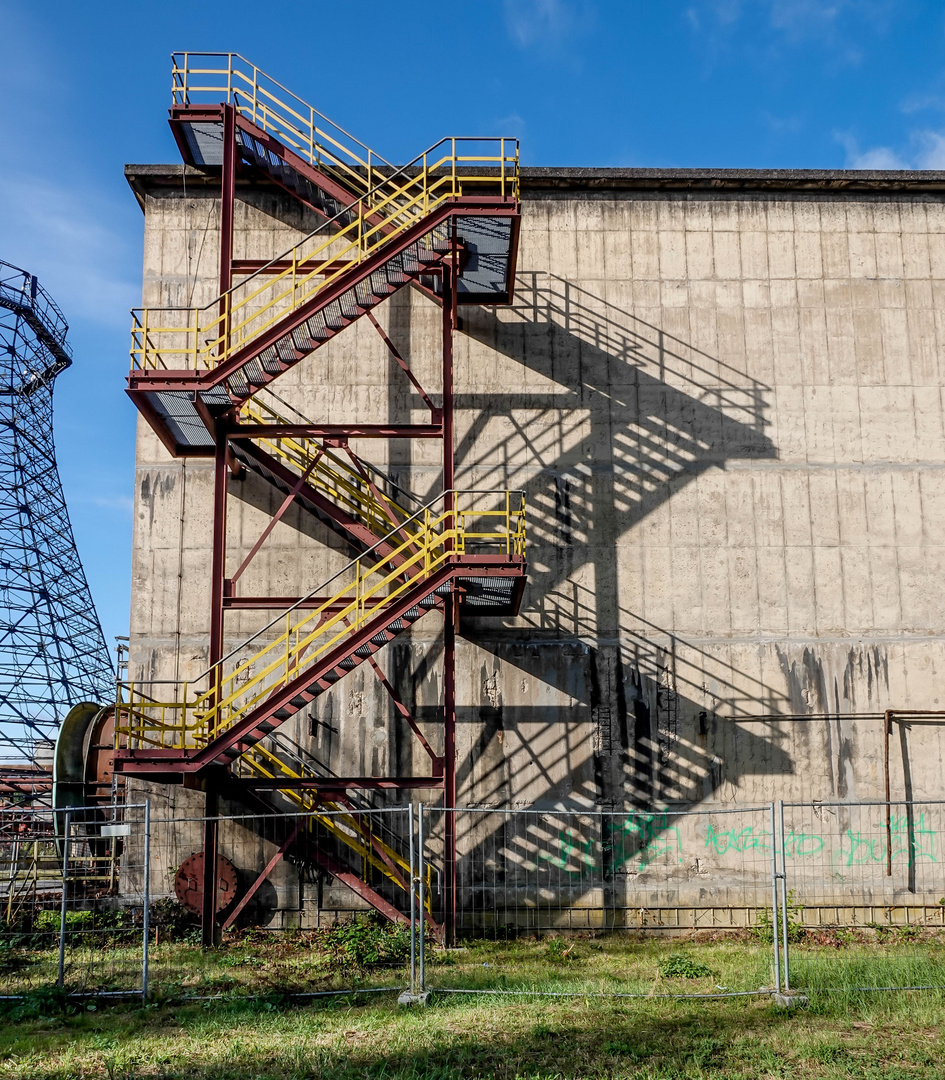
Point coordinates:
pixel 794 20
pixel 512 124
pixel 121 503
pixel 926 150
pixel 67 241
pixel 544 23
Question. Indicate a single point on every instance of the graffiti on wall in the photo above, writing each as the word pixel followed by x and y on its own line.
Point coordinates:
pixel 640 840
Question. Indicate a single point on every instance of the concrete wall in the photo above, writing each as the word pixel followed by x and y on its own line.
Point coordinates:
pixel 726 412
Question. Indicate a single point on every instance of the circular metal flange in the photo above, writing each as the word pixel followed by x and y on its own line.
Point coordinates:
pixel 188 883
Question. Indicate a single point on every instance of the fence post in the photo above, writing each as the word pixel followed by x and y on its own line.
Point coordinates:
pixel 60 980
pixel 146 919
pixel 422 874
pixel 784 922
pixel 774 900
pixel 413 904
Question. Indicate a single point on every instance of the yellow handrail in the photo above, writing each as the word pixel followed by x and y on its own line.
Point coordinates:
pixel 328 473
pixel 209 78
pixel 201 338
pixel 435 535
pixel 262 762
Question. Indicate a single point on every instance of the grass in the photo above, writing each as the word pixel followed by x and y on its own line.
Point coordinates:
pixel 257 1032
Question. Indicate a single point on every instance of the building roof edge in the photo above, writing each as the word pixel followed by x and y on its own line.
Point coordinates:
pixel 141 178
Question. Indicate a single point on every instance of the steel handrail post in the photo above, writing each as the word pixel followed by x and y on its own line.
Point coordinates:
pixel 183 715
pixel 774 901
pixel 413 903
pixel 146 917
pixel 60 979
pixel 784 913
pixel 423 928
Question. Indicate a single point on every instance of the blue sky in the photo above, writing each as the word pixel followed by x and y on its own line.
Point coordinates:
pixel 716 83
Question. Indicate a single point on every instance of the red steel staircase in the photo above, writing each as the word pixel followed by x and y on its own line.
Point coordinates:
pixel 447 224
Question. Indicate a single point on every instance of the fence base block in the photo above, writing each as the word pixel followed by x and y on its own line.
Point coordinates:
pixel 790 999
pixel 407 998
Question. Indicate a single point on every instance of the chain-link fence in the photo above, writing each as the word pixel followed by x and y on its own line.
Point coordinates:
pixel 822 896
pixel 306 903
pixel 74 895
pixel 863 895
pixel 638 884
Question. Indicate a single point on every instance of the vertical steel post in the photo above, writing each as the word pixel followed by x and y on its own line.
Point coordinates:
pixel 450 615
pixel 146 918
pixel 211 836
pixel 784 923
pixel 227 198
pixel 217 575
pixel 422 869
pixel 774 900
pixel 218 558
pixel 60 980
pixel 449 779
pixel 887 732
pixel 413 902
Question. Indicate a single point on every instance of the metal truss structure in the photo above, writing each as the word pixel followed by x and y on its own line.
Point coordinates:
pixel 52 651
pixel 445 224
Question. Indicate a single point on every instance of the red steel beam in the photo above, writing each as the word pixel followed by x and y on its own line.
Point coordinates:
pixel 345 783
pixel 252 890
pixel 435 413
pixel 274 521
pixel 335 431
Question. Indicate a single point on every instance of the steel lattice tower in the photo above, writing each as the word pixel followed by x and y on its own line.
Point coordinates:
pixel 52 650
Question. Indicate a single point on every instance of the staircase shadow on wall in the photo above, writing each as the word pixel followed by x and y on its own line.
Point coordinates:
pixel 629 415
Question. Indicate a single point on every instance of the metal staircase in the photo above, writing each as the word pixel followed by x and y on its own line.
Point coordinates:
pixel 445 223
pixel 382 596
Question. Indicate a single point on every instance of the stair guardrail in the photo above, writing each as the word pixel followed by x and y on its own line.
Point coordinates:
pixel 328 473
pixel 438 532
pixel 202 338
pixel 212 78
pixel 343 824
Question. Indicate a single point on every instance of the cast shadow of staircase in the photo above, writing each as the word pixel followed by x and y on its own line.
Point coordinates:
pixel 610 419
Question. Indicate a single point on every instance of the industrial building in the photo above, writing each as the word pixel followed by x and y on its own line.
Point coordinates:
pixel 694 424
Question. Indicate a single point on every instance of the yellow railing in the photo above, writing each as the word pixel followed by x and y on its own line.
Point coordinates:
pixel 328 473
pixel 211 78
pixel 436 533
pixel 261 762
pixel 201 338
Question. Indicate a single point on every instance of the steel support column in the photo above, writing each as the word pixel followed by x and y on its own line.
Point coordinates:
pixel 211 835
pixel 449 615
pixel 218 553
pixel 227 198
pixel 208 925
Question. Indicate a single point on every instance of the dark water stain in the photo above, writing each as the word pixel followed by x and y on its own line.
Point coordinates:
pixel 563 510
pixel 640 757
pixel 807 693
pixel 593 687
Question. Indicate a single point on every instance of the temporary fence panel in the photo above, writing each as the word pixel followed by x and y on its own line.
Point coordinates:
pixel 308 903
pixel 645 881
pixel 74 893
pixel 864 894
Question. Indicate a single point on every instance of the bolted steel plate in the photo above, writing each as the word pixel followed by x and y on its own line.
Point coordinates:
pixel 188 883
